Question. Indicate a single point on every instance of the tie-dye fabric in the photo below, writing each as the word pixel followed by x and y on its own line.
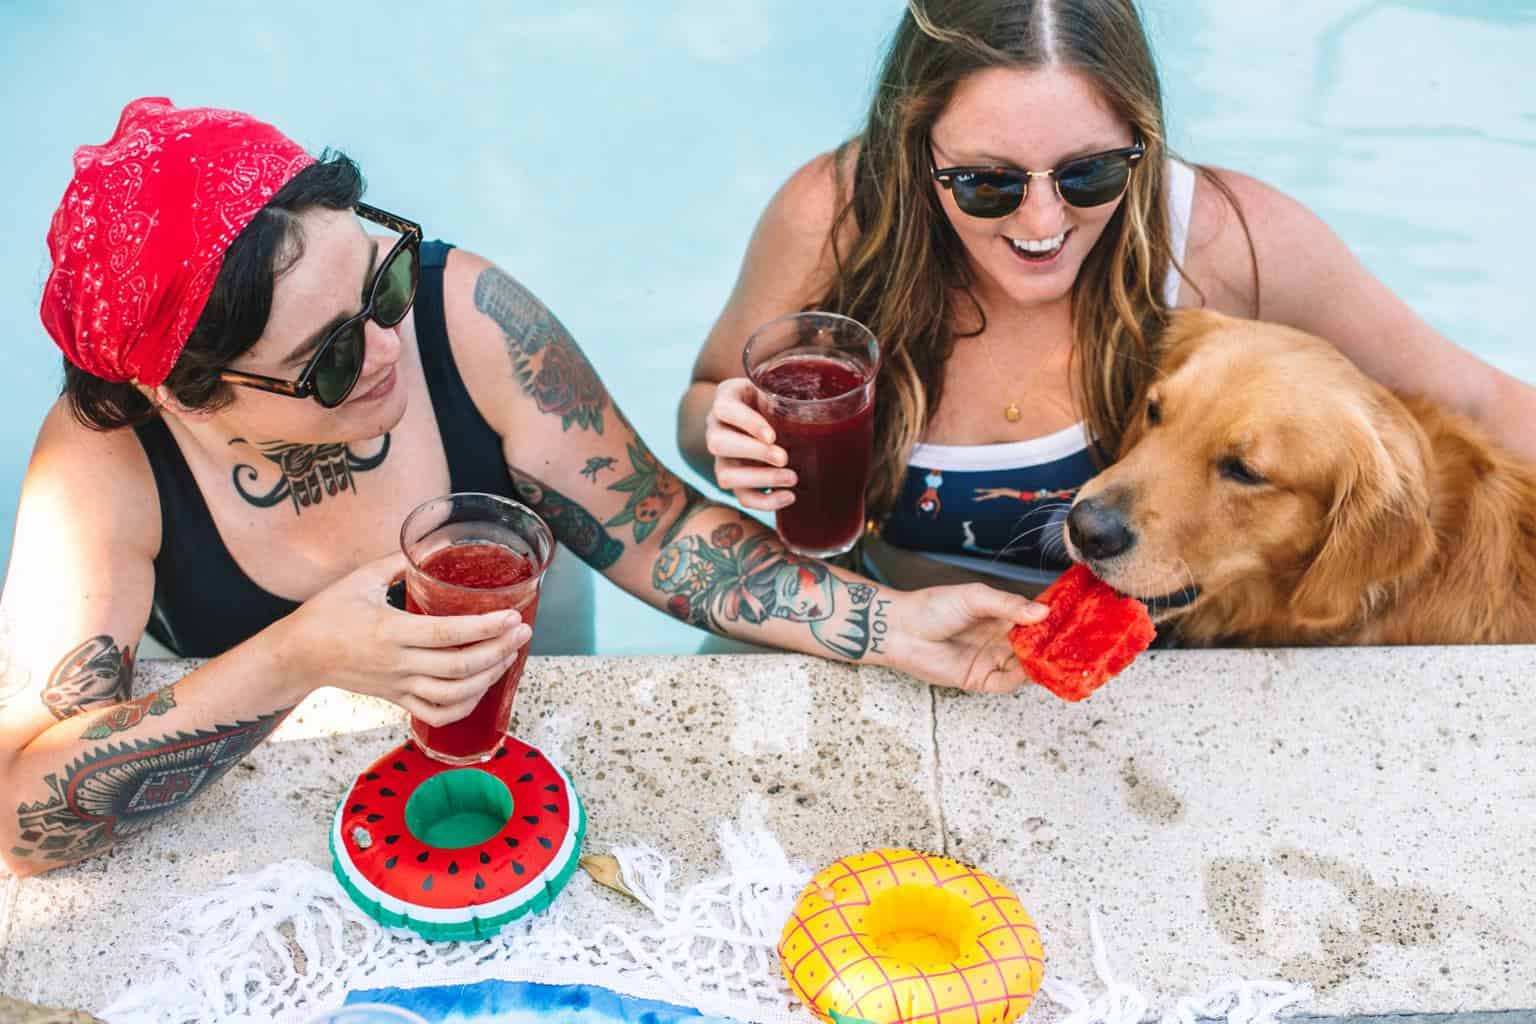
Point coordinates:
pixel 516 1002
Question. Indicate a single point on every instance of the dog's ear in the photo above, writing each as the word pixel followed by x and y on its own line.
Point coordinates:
pixel 1378 528
pixel 1183 333
pixel 1179 338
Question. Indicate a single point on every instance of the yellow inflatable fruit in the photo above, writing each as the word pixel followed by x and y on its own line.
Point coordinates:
pixel 895 936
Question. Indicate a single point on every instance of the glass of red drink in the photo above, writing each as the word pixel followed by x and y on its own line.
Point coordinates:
pixel 468 554
pixel 814 375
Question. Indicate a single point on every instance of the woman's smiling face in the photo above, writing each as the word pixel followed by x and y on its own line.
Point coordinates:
pixel 1036 119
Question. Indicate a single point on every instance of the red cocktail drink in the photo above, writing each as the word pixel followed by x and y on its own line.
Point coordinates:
pixel 815 380
pixel 469 554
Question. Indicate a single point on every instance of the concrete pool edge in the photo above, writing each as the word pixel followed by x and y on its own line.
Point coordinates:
pixel 1156 801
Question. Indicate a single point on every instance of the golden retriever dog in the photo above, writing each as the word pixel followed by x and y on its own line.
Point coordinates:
pixel 1269 493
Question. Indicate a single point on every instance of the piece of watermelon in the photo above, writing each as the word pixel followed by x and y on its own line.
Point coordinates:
pixel 1090 635
pixel 481 847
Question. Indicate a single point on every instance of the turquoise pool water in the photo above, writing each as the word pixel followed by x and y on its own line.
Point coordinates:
pixel 615 155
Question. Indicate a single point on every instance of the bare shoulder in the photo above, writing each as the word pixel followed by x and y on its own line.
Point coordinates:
pixel 790 259
pixel 96 483
pixel 1243 231
pixel 81 576
pixel 808 202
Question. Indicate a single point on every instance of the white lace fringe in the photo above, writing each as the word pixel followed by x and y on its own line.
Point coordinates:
pixel 284 943
pixel 1235 1002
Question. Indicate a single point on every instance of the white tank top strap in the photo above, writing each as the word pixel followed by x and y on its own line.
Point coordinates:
pixel 1180 179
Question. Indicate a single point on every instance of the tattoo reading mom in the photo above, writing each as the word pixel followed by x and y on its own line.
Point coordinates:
pixel 732 577
pixel 879 627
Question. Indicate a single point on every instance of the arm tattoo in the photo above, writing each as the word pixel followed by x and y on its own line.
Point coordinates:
pixel 96 674
pixel 126 716
pixel 693 503
pixel 732 577
pixel 596 464
pixel 571 524
pixel 879 627
pixel 652 490
pixel 118 789
pixel 310 471
pixel 549 366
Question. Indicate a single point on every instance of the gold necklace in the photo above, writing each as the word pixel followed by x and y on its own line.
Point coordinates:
pixel 1011 411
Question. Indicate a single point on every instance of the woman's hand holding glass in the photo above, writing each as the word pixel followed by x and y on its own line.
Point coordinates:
pixel 747 461
pixel 434 666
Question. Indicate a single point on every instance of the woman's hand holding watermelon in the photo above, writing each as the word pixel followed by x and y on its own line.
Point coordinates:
pixel 434 666
pixel 958 636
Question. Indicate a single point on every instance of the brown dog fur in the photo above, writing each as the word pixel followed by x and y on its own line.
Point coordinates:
pixel 1377 519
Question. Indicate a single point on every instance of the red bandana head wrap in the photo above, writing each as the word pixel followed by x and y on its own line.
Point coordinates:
pixel 141 233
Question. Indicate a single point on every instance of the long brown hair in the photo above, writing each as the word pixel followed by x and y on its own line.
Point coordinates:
pixel 905 272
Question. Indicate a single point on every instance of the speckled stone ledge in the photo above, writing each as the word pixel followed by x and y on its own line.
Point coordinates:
pixel 1359 820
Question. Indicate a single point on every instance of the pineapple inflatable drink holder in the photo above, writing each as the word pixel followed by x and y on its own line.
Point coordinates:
pixel 894 936
pixel 455 853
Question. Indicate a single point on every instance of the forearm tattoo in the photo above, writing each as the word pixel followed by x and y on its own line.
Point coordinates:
pixel 596 464
pixel 310 472
pixel 571 524
pixel 731 576
pixel 96 674
pixel 549 366
pixel 127 715
pixel 693 504
pixel 118 789
pixel 652 490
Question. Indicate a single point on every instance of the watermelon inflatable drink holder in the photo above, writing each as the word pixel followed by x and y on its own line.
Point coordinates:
pixel 455 853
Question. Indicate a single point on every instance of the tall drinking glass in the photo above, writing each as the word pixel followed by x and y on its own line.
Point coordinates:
pixel 468 554
pixel 814 375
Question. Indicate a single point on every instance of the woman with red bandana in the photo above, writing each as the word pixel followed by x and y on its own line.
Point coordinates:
pixel 263 376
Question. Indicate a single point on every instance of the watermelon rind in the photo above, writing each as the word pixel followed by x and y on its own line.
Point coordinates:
pixel 480 921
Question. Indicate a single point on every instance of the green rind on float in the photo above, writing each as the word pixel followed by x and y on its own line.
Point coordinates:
pixel 471 927
pixel 838 1018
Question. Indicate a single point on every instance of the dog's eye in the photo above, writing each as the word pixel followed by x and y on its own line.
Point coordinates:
pixel 1238 471
pixel 1154 412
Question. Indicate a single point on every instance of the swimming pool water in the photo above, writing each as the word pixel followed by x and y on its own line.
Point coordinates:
pixel 614 156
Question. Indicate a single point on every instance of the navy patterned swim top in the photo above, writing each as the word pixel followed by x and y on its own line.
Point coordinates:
pixel 998 509
pixel 993 508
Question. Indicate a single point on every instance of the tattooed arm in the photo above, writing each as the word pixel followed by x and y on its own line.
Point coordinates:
pixel 577 461
pixel 83 763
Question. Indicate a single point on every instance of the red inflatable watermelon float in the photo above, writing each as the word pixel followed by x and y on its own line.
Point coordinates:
pixel 455 853
pixel 1090 635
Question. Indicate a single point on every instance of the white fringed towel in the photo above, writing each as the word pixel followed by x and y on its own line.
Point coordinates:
pixel 284 943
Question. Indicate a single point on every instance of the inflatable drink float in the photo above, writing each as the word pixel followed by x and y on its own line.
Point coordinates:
pixel 455 853
pixel 463 828
pixel 897 936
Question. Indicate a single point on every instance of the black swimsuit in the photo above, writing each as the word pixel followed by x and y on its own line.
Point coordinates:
pixel 204 602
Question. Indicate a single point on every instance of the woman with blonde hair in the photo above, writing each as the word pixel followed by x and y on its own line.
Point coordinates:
pixel 1014 229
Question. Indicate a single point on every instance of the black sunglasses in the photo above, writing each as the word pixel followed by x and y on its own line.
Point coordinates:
pixel 333 371
pixel 1091 180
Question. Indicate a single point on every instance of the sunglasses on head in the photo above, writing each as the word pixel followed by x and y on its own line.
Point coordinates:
pixel 333 371
pixel 1091 180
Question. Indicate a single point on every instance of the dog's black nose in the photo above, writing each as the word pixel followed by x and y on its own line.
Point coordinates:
pixel 1097 531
